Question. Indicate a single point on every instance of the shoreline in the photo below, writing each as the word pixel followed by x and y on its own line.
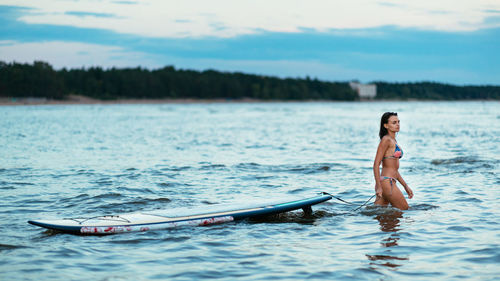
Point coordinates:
pixel 83 100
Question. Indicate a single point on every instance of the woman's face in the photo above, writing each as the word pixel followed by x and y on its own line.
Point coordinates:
pixel 393 124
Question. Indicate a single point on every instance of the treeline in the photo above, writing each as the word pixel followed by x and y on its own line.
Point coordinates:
pixel 40 80
pixel 25 80
pixel 435 91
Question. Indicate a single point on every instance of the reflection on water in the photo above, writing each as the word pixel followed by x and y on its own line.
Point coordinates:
pixel 389 222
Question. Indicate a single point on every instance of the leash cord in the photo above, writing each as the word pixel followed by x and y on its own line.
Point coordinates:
pixel 342 200
pixel 364 203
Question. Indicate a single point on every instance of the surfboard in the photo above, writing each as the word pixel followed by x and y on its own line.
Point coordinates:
pixel 175 217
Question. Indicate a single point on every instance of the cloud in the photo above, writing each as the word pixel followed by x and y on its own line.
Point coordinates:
pixel 73 55
pixel 229 18
pixel 126 2
pixel 376 53
pixel 87 14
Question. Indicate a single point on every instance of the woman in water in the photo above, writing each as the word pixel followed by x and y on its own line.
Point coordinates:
pixel 389 153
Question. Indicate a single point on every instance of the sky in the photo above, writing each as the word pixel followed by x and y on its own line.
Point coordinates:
pixel 447 41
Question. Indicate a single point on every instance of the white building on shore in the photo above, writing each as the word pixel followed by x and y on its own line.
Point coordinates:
pixel 365 91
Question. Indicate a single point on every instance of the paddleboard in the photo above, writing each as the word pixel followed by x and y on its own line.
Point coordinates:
pixel 175 217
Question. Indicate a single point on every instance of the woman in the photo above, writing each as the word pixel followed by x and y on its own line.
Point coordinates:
pixel 389 153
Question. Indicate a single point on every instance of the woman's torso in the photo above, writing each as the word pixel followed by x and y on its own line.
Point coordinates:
pixel 390 162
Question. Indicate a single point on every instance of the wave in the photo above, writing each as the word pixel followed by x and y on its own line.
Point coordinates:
pixel 459 228
pixel 470 160
pixel 209 166
pixel 311 168
pixel 465 165
pixel 85 199
pixel 469 199
pixel 6 247
pixel 423 207
pixel 308 168
pixel 163 168
pixel 146 201
pixel 375 210
pixel 16 183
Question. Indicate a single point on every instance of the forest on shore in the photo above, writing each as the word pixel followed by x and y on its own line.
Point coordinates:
pixel 41 80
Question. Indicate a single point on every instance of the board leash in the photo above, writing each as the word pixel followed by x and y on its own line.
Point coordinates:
pixel 342 200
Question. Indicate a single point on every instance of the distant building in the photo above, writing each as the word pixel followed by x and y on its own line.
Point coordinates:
pixel 365 91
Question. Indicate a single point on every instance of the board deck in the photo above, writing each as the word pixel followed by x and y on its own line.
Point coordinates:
pixel 163 219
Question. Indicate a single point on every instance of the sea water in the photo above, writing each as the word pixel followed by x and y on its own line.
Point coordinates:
pixel 59 161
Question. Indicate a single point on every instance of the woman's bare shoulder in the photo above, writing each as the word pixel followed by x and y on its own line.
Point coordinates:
pixel 386 140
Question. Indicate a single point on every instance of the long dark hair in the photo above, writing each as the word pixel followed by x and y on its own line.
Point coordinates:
pixel 385 120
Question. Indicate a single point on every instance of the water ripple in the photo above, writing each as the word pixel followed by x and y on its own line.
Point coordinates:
pixel 75 161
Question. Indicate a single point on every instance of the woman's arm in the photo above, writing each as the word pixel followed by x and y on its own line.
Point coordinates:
pixel 382 148
pixel 407 188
